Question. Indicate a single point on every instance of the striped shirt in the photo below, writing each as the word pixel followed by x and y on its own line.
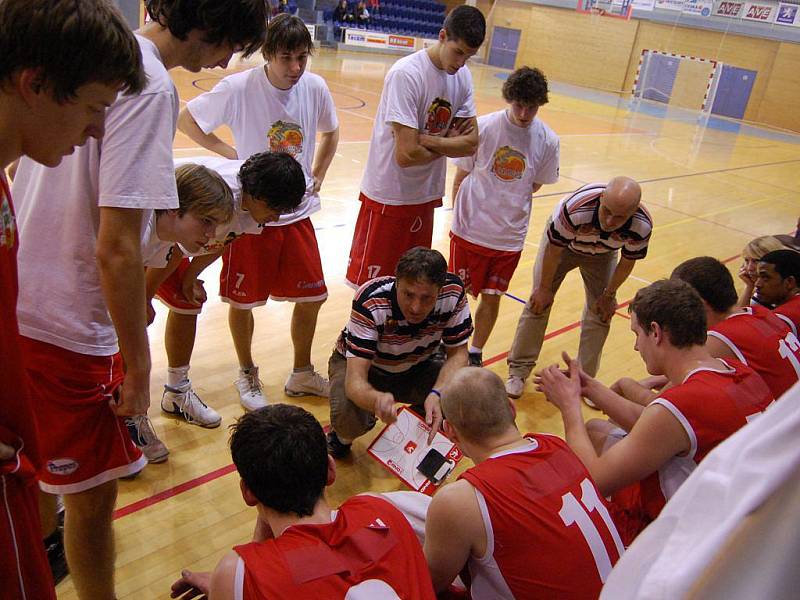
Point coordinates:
pixel 378 331
pixel 575 225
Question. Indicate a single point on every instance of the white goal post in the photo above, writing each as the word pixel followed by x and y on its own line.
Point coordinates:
pixel 677 79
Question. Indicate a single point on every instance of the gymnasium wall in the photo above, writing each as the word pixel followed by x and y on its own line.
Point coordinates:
pixel 603 53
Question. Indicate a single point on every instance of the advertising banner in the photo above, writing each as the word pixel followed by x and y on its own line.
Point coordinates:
pixel 730 9
pixel 788 14
pixel 701 8
pixel 669 4
pixel 759 11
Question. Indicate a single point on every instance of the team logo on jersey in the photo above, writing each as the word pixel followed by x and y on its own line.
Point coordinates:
pixel 62 466
pixel 508 164
pixel 286 137
pixel 439 115
pixel 8 225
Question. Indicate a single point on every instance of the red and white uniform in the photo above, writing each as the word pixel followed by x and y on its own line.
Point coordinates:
pixel 397 203
pixel 765 343
pixel 710 405
pixel 367 552
pixel 789 311
pixel 24 572
pixel 283 264
pixel 72 355
pixel 549 531
pixel 493 207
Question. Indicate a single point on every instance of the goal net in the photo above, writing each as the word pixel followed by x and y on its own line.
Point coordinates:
pixel 677 80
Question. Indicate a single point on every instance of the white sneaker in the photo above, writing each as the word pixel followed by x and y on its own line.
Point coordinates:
pixel 250 388
pixel 307 383
pixel 514 386
pixel 185 402
pixel 144 436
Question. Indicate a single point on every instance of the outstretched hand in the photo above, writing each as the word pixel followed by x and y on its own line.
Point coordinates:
pixel 191 585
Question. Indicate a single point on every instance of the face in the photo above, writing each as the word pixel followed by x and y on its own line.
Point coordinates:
pixel 751 266
pixel 56 128
pixel 287 67
pixel 611 218
pixel 202 55
pixel 645 345
pixel 770 286
pixel 193 232
pixel 453 54
pixel 522 115
pixel 259 210
pixel 416 299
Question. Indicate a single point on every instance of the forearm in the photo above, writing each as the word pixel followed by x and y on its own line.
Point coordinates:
pixel 454 147
pixel 329 141
pixel 621 273
pixel 210 141
pixel 577 438
pixel 198 264
pixel 622 411
pixel 746 295
pixel 361 393
pixel 154 277
pixel 458 360
pixel 418 155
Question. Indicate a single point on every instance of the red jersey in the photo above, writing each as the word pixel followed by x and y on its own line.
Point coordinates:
pixel 764 342
pixel 711 406
pixel 549 531
pixel 368 551
pixel 789 311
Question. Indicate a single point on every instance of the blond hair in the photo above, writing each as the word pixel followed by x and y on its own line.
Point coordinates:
pixel 760 246
pixel 203 193
pixel 475 403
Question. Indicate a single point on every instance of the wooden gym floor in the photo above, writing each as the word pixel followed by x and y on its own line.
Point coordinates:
pixel 711 187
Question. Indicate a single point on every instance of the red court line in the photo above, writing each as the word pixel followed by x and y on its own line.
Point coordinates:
pixel 211 476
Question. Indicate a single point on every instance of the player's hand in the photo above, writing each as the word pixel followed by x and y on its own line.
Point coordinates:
pixel 460 127
pixel 605 306
pixel 133 396
pixel 317 184
pixel 745 276
pixel 194 291
pixel 191 585
pixel 6 452
pixel 563 391
pixel 385 408
pixel 540 299
pixel 433 415
pixel 654 382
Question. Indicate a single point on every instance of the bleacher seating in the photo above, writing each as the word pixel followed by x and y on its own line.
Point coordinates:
pixel 418 18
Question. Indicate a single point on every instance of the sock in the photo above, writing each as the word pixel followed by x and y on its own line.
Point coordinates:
pixel 177 376
pixel 247 371
pixel 306 369
pixel 475 349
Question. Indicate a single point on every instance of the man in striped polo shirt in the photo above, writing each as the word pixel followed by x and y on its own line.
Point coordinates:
pixel 586 230
pixel 389 350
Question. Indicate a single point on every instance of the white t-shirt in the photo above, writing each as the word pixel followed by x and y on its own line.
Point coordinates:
pixel 241 222
pixel 493 207
pixel 418 95
pixel 58 213
pixel 263 117
pixel 155 251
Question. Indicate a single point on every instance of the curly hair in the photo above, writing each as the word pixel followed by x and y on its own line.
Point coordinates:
pixel 527 86
pixel 275 178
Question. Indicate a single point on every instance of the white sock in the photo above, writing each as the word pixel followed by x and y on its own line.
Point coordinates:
pixel 475 349
pixel 177 376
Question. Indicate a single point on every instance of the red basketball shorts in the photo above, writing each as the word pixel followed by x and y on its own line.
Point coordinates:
pixel 170 292
pixel 383 233
pixel 82 442
pixel 282 263
pixel 483 270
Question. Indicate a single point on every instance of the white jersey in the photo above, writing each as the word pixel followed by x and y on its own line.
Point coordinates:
pixel 418 95
pixel 58 213
pixel 155 251
pixel 263 117
pixel 493 206
pixel 241 222
pixel 736 478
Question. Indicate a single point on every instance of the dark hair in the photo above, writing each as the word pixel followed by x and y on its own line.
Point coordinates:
pixel 466 23
pixel 676 307
pixel 240 23
pixel 281 455
pixel 527 86
pixel 422 264
pixel 71 42
pixel 711 279
pixel 786 263
pixel 286 33
pixel 275 178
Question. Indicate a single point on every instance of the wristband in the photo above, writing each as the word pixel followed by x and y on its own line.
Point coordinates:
pixel 437 392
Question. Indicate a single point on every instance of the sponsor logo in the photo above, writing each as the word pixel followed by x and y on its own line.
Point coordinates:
pixel 410 447
pixel 286 137
pixel 354 37
pixel 509 164
pixel 62 466
pixel 8 225
pixel 786 14
pixel 758 12
pixel 394 466
pixel 374 40
pixel 439 114
pixel 729 9
pixel 310 285
pixel 402 42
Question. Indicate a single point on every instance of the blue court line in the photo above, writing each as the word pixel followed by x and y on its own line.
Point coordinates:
pixel 513 297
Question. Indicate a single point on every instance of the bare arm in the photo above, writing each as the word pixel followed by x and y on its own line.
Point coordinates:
pixel 622 411
pixel 154 277
pixel 459 178
pixel 363 395
pixel 119 262
pixel 457 358
pixel 408 152
pixel 328 143
pixel 718 349
pixel 462 143
pixel 210 141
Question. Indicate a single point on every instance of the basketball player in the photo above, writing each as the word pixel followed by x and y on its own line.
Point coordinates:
pixel 263 187
pixel 301 548
pixel 278 107
pixel 644 454
pixel 48 106
pixel 83 290
pixel 778 282
pixel 527 521
pixel 517 154
pixel 426 113
pixel 754 335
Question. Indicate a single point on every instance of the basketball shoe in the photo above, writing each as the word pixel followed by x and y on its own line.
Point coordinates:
pixel 251 389
pixel 144 436
pixel 306 383
pixel 183 401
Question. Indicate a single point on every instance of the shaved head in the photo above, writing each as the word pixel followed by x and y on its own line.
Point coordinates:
pixel 619 202
pixel 475 403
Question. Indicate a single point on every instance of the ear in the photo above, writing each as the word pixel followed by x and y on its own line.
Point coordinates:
pixel 30 85
pixel 656 332
pixel 331 471
pixel 442 35
pixel 450 431
pixel 249 498
pixel 513 408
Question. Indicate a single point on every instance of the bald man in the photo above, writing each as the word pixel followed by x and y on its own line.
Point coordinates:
pixel 587 230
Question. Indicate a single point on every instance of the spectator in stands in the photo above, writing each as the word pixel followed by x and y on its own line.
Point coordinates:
pixel 374 6
pixel 301 548
pixel 751 254
pixel 342 14
pixel 362 14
